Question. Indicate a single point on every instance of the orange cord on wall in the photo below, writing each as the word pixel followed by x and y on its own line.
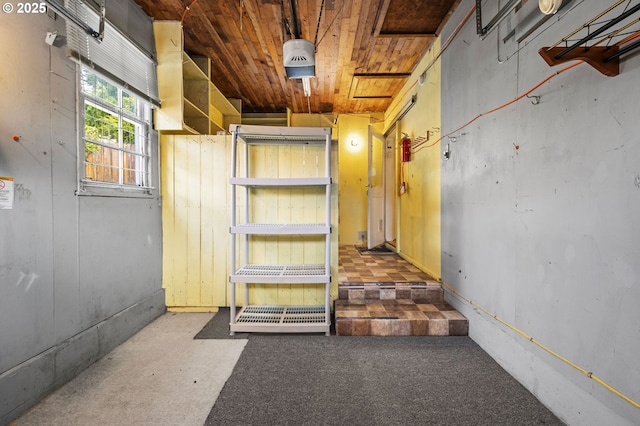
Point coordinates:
pixel 422 146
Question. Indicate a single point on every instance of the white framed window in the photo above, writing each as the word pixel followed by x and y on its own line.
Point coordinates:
pixel 115 142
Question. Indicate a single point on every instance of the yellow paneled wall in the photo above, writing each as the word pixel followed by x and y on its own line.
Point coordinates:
pixel 288 205
pixel 196 217
pixel 311 120
pixel 419 208
pixel 195 220
pixel 353 139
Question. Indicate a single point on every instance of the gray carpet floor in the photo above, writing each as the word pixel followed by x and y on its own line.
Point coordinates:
pixel 329 380
pixel 218 327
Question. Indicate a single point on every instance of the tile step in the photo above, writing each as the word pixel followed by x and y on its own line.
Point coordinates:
pixel 398 317
pixel 431 292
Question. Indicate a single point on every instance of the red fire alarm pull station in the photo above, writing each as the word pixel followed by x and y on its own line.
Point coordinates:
pixel 406 149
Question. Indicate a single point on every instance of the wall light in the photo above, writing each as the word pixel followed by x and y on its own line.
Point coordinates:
pixel 353 142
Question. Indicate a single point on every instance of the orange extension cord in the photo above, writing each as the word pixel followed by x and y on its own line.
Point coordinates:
pixel 422 146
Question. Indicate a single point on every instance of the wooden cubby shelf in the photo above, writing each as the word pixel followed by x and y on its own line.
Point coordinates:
pixel 190 102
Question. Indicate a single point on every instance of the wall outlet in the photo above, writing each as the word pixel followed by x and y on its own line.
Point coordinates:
pixel 362 235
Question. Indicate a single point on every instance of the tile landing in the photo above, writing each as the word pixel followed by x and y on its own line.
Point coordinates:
pixel 385 295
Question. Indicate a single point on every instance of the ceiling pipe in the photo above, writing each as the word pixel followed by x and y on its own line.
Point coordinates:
pixel 495 21
pixel 295 19
pixel 539 23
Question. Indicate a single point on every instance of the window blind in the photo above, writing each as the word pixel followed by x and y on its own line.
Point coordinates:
pixel 115 57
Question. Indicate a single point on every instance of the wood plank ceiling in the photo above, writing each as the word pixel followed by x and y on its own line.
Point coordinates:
pixel 365 49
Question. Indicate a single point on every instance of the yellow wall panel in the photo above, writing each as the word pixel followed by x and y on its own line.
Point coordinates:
pixel 207 239
pixel 219 164
pixel 180 221
pixel 196 217
pixel 287 205
pixel 419 208
pixel 352 139
pixel 195 181
pixel 194 225
pixel 168 228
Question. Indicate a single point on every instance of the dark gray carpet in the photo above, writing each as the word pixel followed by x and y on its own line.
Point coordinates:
pixel 314 380
pixel 218 327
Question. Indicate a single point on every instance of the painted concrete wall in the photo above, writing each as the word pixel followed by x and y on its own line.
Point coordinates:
pixel 78 275
pixel 540 213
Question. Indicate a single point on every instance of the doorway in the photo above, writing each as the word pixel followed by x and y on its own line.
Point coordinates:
pixel 381 183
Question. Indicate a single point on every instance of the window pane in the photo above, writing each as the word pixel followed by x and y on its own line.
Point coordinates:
pixel 129 103
pixel 116 133
pixel 100 125
pixel 102 165
pixel 133 174
pixel 129 135
pixel 99 88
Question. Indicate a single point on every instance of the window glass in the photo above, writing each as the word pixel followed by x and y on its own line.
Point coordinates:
pixel 116 136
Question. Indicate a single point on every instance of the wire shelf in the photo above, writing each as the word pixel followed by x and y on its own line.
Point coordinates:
pixel 255 314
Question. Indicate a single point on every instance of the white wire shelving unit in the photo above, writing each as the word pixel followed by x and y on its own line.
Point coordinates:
pixel 272 318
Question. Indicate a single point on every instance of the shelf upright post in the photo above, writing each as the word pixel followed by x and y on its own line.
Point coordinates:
pixel 247 174
pixel 233 266
pixel 327 246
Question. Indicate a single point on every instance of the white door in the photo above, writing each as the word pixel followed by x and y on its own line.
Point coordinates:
pixel 375 189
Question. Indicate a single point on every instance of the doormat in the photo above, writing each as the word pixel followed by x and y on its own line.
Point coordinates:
pixel 382 249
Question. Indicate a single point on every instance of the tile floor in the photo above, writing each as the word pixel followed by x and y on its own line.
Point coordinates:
pixel 355 267
pixel 385 295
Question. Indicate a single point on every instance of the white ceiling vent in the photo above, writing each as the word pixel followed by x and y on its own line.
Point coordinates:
pixel 299 58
